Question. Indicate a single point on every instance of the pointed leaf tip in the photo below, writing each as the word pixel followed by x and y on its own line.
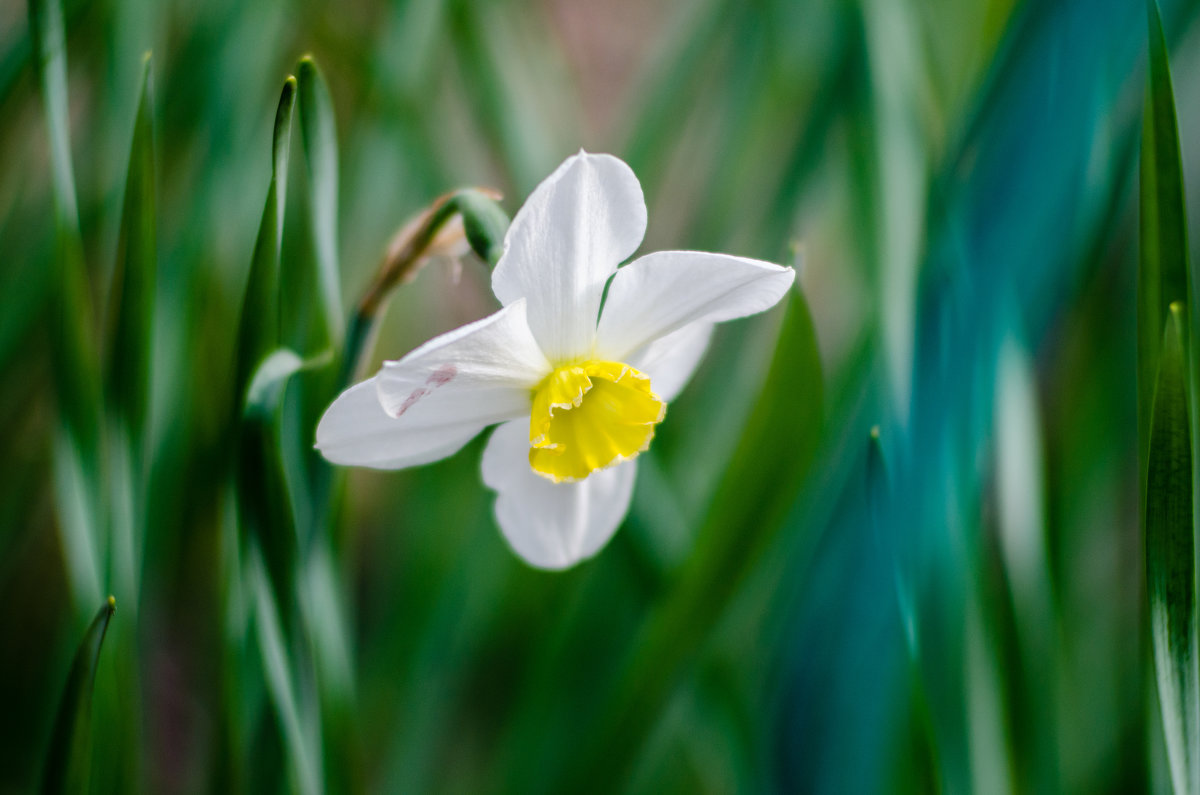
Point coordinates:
pixel 259 328
pixel 281 139
pixel 69 752
pixel 1164 276
pixel 318 138
pixel 1170 563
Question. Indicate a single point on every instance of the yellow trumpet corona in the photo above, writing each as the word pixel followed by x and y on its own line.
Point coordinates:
pixel 590 415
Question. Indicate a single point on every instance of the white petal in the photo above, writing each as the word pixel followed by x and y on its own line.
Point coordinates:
pixel 662 292
pixel 483 372
pixel 671 360
pixel 573 231
pixel 433 401
pixel 552 525
pixel 355 431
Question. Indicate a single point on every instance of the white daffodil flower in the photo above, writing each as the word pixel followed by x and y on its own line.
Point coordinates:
pixel 579 391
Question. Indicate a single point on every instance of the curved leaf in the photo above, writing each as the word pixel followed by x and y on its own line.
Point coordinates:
pixel 775 453
pixel 264 507
pixel 68 757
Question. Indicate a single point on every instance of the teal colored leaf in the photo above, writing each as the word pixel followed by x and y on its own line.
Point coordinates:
pixel 68 757
pixel 1170 560
pixel 318 131
pixel 878 482
pixel 1163 275
pixel 258 332
pixel 131 301
pixel 879 507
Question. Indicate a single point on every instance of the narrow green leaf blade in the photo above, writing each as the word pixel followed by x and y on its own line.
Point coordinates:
pixel 258 332
pixel 76 365
pixel 264 511
pixel 50 52
pixel 1170 560
pixel 131 301
pixel 787 419
pixel 1163 276
pixel 319 138
pixel 67 759
pixel 775 453
pixel 304 760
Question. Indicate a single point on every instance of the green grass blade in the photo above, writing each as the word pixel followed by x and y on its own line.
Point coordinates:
pixel 75 365
pixel 1165 416
pixel 50 52
pixel 264 509
pixel 76 368
pixel 1163 277
pixel 304 760
pixel 258 332
pixel 770 462
pixel 67 759
pixel 319 138
pixel 83 545
pixel 1170 560
pixel 131 301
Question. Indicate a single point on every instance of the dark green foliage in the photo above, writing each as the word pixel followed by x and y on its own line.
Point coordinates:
pixel 68 758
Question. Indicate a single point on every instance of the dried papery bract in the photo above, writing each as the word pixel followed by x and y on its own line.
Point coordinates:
pixel 438 230
pixel 470 215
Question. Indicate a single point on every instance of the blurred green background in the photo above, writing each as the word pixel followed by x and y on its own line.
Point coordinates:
pixel 790 606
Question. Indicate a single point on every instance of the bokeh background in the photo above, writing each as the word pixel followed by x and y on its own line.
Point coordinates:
pixel 790 606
